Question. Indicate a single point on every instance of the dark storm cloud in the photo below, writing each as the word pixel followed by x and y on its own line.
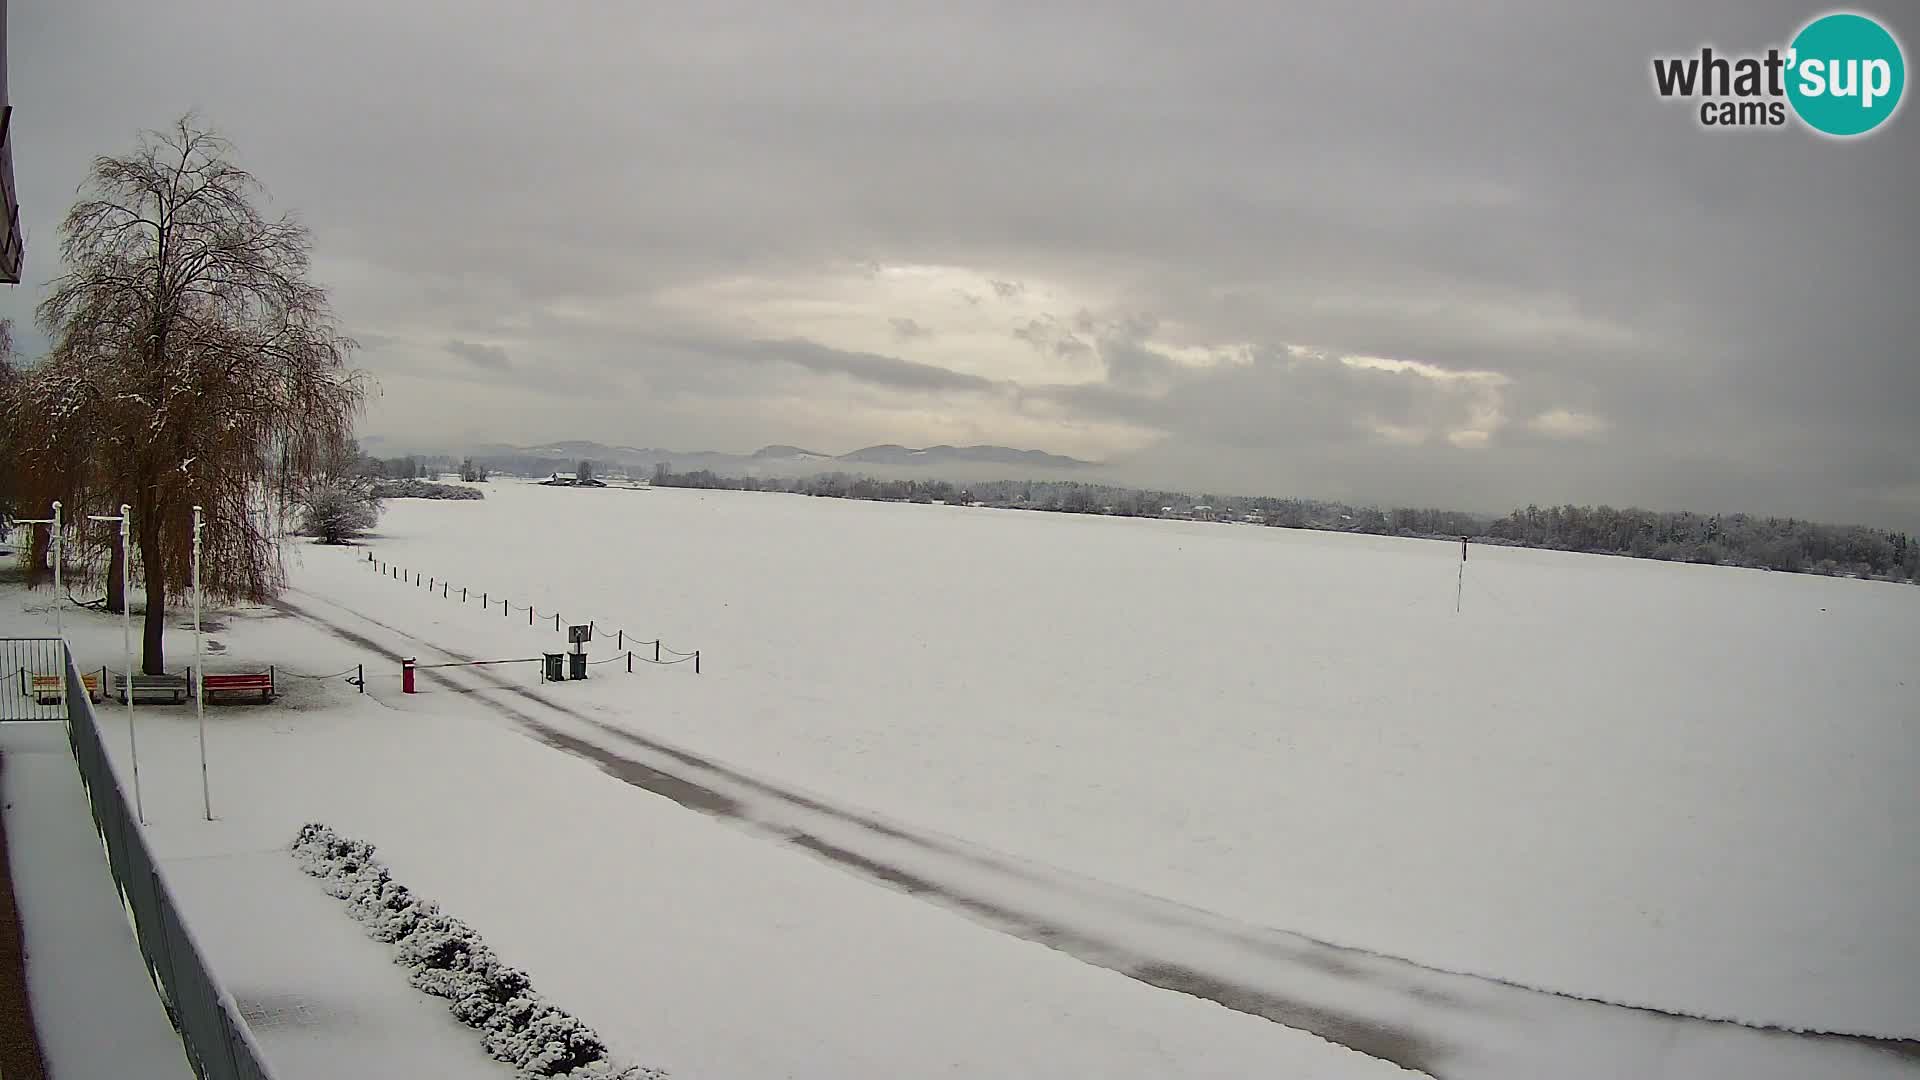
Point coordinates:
pixel 1682 318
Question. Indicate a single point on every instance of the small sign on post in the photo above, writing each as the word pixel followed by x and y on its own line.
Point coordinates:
pixel 580 635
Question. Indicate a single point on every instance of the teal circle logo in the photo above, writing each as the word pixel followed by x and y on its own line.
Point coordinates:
pixel 1845 74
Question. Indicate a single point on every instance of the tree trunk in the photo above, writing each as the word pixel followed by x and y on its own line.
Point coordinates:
pixel 116 595
pixel 153 659
pixel 40 556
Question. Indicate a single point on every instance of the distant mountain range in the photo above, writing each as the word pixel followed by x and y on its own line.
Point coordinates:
pixel 780 459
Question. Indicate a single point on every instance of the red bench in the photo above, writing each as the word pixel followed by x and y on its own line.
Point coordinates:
pixel 239 682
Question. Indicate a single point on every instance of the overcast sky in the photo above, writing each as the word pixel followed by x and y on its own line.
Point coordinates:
pixel 1378 251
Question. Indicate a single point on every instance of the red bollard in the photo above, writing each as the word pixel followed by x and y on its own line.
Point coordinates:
pixel 406 675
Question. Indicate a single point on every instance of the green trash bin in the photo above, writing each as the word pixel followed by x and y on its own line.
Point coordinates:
pixel 555 670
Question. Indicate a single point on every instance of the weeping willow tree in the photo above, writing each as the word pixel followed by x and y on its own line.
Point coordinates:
pixel 193 363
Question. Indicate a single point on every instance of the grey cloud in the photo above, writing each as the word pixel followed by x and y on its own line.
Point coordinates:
pixel 1048 336
pixel 1007 290
pixel 907 329
pixel 479 355
pixel 1131 364
pixel 883 371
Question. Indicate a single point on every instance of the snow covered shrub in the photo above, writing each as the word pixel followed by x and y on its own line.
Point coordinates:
pixel 548 1043
pixel 498 993
pixel 446 958
pixel 339 509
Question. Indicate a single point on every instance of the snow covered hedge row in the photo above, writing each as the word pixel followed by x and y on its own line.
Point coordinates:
pixel 446 958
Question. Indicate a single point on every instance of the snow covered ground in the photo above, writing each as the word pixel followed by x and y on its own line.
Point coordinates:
pixel 1674 786
pixel 688 944
pixel 1682 787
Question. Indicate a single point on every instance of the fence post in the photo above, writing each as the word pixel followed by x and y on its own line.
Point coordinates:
pixel 656 650
pixel 629 661
pixel 620 642
pixel 443 590
pixel 529 614
pixel 463 594
pixel 556 620
pixel 363 677
pixel 696 661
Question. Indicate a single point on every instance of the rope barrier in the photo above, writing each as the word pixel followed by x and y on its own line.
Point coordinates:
pixel 335 675
pixel 621 636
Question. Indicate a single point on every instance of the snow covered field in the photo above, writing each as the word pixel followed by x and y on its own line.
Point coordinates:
pixel 687 944
pixel 1688 788
pixel 1682 787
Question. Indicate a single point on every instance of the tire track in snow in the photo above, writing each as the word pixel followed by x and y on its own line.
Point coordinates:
pixel 1440 1023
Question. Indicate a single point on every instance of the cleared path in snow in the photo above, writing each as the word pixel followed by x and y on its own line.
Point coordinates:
pixel 1443 1024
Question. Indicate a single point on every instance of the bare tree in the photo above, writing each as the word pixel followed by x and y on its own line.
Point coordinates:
pixel 193 362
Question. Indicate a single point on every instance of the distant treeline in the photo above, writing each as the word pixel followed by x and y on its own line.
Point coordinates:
pixel 1733 539
pixel 410 467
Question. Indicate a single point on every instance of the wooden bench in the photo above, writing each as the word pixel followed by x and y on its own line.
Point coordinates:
pixel 239 682
pixel 151 687
pixel 52 689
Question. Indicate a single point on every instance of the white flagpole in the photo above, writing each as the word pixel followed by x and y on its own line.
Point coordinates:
pixel 199 673
pixel 59 609
pixel 126 638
